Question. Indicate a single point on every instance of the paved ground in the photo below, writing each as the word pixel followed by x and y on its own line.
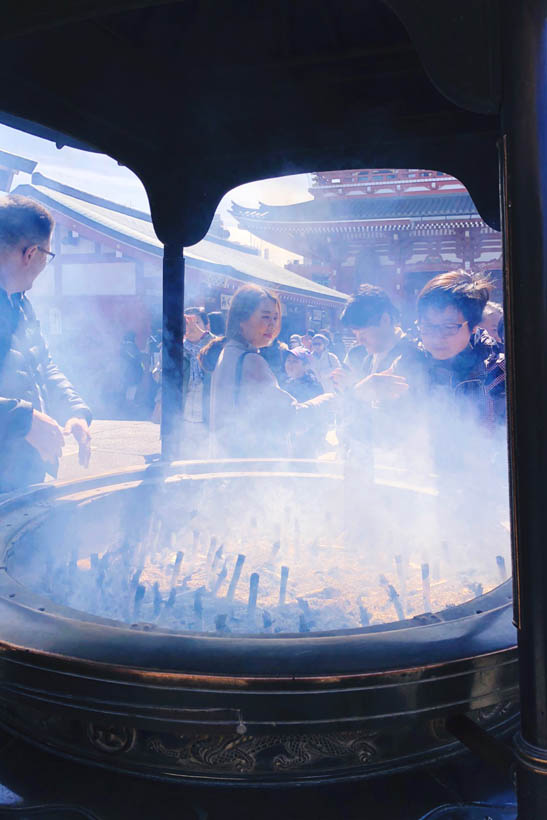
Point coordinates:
pixel 115 445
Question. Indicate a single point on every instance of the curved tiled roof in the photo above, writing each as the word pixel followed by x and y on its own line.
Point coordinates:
pixel 136 229
pixel 358 209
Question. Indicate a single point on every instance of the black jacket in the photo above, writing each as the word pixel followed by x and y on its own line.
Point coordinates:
pixel 28 380
pixel 474 379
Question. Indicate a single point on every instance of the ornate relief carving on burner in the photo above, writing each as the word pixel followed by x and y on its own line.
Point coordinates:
pixel 111 739
pixel 245 755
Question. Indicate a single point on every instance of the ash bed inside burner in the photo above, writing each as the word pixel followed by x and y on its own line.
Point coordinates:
pixel 254 553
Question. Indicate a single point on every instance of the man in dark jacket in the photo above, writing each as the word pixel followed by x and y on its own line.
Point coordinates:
pixel 38 405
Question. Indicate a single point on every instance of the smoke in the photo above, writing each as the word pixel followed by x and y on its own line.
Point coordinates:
pixel 416 520
pixel 284 547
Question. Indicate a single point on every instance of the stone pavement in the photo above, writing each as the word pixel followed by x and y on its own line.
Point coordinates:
pixel 116 444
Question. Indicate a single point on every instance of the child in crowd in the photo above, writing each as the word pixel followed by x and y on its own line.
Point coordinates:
pixel 302 383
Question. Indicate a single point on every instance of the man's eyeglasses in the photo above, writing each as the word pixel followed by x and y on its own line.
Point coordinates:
pixel 50 255
pixel 427 329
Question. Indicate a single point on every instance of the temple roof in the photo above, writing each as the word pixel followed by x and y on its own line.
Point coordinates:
pixel 135 228
pixel 16 163
pixel 357 209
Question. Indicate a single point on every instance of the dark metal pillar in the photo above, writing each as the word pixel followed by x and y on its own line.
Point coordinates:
pixel 171 388
pixel 524 158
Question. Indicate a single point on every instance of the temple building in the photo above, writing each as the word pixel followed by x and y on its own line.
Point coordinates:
pixel 106 277
pixel 394 228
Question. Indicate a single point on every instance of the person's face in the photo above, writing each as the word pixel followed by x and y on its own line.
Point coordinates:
pixel 28 260
pixel 262 326
pixel 306 342
pixel 375 337
pixel 490 323
pixel 194 327
pixel 293 343
pixel 294 368
pixel 445 333
pixel 317 346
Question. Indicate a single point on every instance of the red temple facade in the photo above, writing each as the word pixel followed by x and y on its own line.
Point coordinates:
pixel 394 228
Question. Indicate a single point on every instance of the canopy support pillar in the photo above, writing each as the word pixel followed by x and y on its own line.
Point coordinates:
pixel 173 328
pixel 524 166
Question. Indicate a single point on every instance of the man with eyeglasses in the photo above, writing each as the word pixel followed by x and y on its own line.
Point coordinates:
pixel 463 361
pixel 38 405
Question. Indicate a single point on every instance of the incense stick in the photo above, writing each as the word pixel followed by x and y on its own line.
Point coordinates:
pixel 426 588
pixel 500 561
pixel 283 585
pixel 253 594
pixel 235 577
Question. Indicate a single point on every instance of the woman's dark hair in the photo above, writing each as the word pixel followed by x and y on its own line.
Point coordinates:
pixel 467 292
pixel 217 325
pixel 367 308
pixel 244 303
pixel 246 300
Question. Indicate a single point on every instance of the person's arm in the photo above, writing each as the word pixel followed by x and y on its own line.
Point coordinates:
pixel 64 402
pixel 260 389
pixel 15 418
pixel 18 420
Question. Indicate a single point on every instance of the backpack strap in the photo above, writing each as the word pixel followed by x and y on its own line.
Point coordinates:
pixel 239 374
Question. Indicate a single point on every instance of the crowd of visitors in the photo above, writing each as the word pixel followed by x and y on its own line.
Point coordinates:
pixel 245 392
pixel 447 363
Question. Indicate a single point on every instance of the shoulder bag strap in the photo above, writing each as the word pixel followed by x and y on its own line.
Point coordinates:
pixel 239 374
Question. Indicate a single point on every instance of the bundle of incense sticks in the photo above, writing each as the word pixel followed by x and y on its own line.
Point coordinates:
pixel 139 595
pixel 253 594
pixel 212 549
pixel 394 598
pixel 283 585
pixel 426 587
pixel 176 568
pixel 157 599
pixel 500 561
pixel 401 574
pixel 220 579
pixel 235 577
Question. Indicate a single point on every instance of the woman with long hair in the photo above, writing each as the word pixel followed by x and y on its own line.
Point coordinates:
pixel 250 414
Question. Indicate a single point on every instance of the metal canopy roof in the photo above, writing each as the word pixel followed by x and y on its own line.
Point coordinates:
pixel 198 96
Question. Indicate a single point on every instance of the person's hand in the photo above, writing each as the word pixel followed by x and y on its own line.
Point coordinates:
pixel 45 436
pixel 342 378
pixel 80 430
pixel 381 386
